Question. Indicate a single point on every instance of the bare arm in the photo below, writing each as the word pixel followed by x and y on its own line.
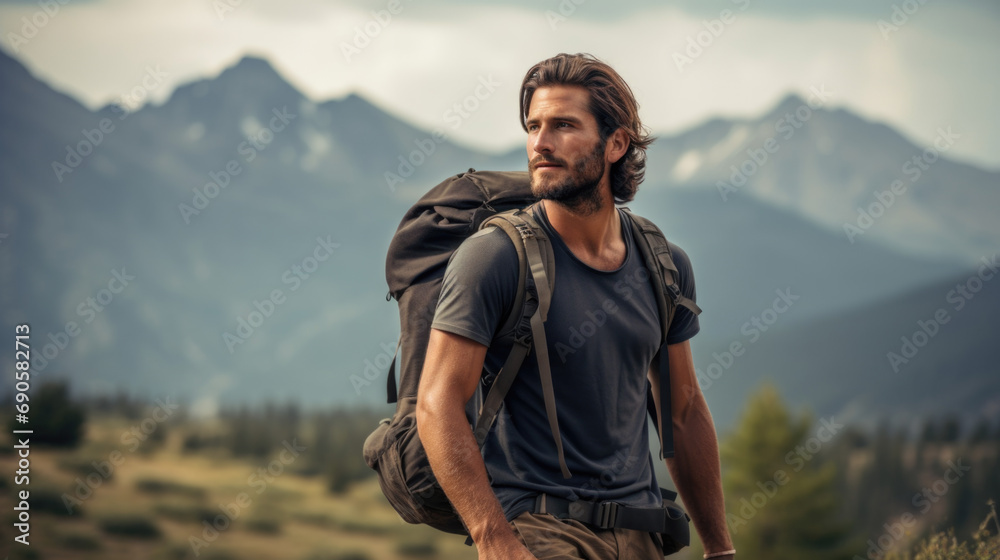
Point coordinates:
pixel 695 467
pixel 451 372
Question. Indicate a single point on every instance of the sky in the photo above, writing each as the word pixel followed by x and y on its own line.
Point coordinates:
pixel 457 66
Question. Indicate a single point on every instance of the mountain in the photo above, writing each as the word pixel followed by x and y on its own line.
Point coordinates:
pixel 250 224
pixel 744 251
pixel 928 352
pixel 859 179
pixel 209 206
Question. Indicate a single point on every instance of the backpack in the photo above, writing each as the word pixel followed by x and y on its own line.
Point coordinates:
pixel 418 254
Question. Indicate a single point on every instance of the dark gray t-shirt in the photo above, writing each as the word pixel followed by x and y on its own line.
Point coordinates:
pixel 603 330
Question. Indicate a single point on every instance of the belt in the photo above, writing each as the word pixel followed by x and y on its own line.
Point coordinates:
pixel 668 519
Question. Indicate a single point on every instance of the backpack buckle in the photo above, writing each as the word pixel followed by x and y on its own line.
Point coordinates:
pixel 674 291
pixel 607 514
pixel 525 230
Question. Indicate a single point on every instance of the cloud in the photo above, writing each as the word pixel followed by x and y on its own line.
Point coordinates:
pixel 429 56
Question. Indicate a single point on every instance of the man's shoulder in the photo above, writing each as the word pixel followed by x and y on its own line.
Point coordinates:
pixel 487 250
pixel 485 234
pixel 489 242
pixel 478 287
pixel 680 257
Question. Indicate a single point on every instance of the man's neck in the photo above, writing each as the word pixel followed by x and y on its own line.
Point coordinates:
pixel 594 238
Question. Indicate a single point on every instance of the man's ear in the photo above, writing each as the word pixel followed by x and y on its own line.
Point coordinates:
pixel 616 145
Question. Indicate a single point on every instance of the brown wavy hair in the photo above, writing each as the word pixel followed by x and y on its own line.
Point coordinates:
pixel 612 104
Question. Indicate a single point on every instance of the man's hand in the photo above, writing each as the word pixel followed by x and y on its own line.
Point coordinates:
pixel 507 548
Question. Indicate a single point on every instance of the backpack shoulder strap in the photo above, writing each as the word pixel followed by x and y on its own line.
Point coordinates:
pixel 522 345
pixel 501 222
pixel 659 261
pixel 660 264
pixel 529 239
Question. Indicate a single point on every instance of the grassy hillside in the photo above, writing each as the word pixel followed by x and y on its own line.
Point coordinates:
pixel 158 498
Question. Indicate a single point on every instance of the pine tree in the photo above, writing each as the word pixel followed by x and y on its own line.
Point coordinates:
pixel 56 419
pixel 781 502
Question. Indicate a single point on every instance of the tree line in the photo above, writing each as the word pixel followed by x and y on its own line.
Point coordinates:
pixel 795 486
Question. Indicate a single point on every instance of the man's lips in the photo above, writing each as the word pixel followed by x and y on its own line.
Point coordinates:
pixel 546 165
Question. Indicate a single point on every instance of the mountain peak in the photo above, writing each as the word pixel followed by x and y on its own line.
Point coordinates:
pixel 252 79
pixel 356 101
pixel 356 104
pixel 252 63
pixel 789 103
pixel 252 70
pixel 24 94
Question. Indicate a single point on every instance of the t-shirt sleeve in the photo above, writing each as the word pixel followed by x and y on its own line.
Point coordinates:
pixel 478 287
pixel 685 324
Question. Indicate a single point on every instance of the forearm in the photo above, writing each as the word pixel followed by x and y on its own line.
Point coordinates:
pixel 696 471
pixel 459 468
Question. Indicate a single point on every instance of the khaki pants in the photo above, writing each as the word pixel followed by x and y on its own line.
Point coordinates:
pixel 550 538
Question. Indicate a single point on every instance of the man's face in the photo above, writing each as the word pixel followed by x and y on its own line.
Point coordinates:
pixel 566 157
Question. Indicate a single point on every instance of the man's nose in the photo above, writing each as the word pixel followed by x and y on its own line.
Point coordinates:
pixel 542 142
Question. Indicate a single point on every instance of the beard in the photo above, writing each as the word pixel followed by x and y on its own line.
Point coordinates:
pixel 578 191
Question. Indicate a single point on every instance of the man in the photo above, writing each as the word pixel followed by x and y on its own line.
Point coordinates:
pixel 586 151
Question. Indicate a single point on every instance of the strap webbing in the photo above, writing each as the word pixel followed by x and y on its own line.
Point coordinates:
pixel 666 420
pixel 391 392
pixel 607 515
pixel 656 252
pixel 505 378
pixel 517 309
pixel 540 262
pixel 542 287
pixel 497 393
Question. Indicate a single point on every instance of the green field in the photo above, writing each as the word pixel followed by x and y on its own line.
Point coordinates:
pixel 156 504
